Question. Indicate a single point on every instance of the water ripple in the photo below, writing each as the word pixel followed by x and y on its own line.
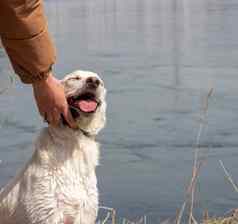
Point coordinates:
pixel 7 123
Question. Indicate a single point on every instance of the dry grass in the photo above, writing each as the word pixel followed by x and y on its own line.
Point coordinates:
pixel 111 218
pixel 231 219
pixel 197 163
pixel 228 220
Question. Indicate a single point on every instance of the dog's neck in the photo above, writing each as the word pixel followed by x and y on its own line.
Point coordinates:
pixel 61 133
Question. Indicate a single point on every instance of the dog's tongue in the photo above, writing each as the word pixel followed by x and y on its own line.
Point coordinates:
pixel 87 106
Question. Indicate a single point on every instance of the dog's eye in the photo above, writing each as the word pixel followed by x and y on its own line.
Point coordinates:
pixel 75 78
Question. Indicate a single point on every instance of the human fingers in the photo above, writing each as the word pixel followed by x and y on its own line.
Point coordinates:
pixel 49 118
pixel 55 116
pixel 69 119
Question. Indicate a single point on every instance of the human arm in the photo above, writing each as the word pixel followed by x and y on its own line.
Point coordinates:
pixel 24 34
pixel 25 37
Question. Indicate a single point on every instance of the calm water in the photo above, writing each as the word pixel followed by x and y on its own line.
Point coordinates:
pixel 158 58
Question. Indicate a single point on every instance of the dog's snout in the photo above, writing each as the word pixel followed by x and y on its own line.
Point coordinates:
pixel 92 82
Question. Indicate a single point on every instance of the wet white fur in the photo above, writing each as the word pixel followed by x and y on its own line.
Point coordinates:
pixel 59 184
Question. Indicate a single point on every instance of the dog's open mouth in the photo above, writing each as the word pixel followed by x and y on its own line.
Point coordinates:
pixel 85 102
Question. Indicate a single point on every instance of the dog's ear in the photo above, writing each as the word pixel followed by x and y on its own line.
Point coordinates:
pixel 63 81
pixel 66 77
pixel 68 86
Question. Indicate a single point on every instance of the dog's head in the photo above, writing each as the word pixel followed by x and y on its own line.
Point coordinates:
pixel 85 93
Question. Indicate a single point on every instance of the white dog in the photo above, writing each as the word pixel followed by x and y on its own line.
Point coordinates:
pixel 58 184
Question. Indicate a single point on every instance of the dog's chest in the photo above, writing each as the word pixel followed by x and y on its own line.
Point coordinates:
pixel 74 183
pixel 67 182
pixel 75 194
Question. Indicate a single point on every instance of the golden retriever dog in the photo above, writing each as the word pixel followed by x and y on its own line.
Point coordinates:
pixel 58 184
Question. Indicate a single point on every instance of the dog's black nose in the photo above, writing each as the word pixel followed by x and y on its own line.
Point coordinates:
pixel 92 82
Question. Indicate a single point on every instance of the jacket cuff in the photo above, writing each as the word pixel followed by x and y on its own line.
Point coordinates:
pixel 31 58
pixel 28 78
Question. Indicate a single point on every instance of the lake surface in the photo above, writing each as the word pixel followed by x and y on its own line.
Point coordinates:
pixel 159 59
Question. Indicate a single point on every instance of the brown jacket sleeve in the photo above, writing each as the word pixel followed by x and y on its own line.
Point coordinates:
pixel 24 34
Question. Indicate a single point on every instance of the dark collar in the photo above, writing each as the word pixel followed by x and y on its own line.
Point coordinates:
pixel 87 134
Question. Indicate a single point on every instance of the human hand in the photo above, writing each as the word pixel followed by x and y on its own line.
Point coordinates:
pixel 51 101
